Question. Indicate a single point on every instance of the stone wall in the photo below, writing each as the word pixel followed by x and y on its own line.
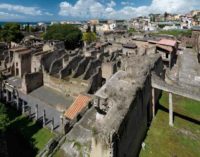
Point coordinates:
pixel 32 81
pixel 48 58
pixel 129 94
pixel 57 65
pixel 82 66
pixel 95 81
pixel 25 64
pixel 69 87
pixel 108 69
pixel 91 69
pixel 72 65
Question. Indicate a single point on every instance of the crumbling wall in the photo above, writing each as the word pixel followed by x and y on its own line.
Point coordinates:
pixel 48 58
pixel 32 81
pixel 91 69
pixel 82 67
pixel 57 65
pixel 25 64
pixel 72 65
pixel 108 69
pixel 129 94
pixel 95 81
pixel 70 87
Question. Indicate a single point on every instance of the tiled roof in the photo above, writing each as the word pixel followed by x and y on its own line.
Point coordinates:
pixel 78 105
pixel 169 49
pixel 167 42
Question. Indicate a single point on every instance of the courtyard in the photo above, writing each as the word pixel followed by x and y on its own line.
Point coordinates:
pixel 181 140
pixel 24 137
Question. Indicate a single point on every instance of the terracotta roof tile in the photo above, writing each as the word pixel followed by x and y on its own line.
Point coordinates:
pixel 78 105
pixel 167 42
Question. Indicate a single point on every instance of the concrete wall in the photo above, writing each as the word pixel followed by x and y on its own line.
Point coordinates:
pixel 31 82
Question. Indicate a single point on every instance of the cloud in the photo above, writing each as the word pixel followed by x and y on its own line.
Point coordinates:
pixel 111 4
pixel 85 9
pixel 33 11
pixel 127 3
pixel 48 14
pixel 9 16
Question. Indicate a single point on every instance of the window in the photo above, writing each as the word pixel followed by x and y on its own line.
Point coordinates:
pixel 167 55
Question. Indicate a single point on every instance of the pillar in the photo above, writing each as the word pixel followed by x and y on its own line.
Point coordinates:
pixel 23 107
pixel 7 96
pixel 17 102
pixel 170 110
pixel 12 97
pixel 170 61
pixel 52 124
pixel 44 118
pixel 36 112
pixel 62 123
pixel 29 112
pixel 153 102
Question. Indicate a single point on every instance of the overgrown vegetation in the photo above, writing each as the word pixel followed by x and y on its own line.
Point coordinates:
pixel 90 35
pixel 24 137
pixel 131 30
pixel 176 33
pixel 70 34
pixel 11 32
pixel 3 118
pixel 181 140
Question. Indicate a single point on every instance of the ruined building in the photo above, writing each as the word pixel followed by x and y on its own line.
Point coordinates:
pixel 122 109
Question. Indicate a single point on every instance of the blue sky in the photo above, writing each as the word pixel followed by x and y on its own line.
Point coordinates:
pixel 56 10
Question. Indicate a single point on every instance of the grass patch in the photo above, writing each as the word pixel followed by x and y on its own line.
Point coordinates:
pixel 181 140
pixel 176 33
pixel 24 136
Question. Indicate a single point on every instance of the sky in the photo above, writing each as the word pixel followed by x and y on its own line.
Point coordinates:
pixel 58 10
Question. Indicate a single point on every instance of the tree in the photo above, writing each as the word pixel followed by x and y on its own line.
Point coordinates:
pixel 11 32
pixel 165 16
pixel 94 29
pixel 88 28
pixel 3 118
pixel 70 34
pixel 89 37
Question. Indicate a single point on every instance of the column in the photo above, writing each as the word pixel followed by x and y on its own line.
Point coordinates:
pixel 29 112
pixel 153 102
pixel 62 123
pixel 170 61
pixel 52 124
pixel 170 110
pixel 36 112
pixel 44 118
pixel 17 102
pixel 12 97
pixel 23 107
pixel 7 96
